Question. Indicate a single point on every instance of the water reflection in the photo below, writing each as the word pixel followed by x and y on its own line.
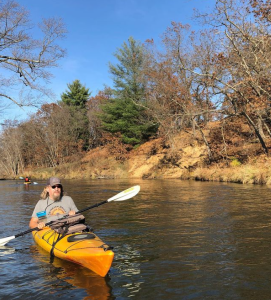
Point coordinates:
pixel 4 250
pixel 96 287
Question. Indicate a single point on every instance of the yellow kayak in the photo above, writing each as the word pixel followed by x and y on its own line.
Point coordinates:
pixel 85 249
pixel 27 182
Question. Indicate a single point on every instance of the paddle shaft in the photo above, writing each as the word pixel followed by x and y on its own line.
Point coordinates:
pixel 90 207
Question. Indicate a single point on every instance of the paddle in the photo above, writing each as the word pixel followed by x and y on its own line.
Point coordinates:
pixel 127 194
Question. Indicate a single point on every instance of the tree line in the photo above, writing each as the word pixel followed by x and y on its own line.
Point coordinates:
pixel 189 80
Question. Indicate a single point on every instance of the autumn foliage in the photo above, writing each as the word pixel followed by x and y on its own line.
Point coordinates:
pixel 212 84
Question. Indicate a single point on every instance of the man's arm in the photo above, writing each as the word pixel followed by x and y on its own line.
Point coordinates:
pixel 73 208
pixel 34 222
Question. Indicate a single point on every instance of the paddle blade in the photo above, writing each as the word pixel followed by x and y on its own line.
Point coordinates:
pixel 127 194
pixel 4 241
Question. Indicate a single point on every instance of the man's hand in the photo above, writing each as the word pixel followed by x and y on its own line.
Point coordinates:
pixel 34 222
pixel 41 225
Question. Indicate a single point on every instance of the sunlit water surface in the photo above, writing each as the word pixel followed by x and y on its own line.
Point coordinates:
pixel 174 240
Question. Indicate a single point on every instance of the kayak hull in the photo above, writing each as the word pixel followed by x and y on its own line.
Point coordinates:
pixel 85 249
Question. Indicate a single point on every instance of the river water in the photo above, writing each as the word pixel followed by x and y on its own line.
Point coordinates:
pixel 175 240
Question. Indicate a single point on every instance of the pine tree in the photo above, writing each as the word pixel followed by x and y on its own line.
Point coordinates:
pixel 76 96
pixel 125 113
pixel 75 99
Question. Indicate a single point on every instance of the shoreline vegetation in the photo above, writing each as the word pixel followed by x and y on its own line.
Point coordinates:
pixel 182 159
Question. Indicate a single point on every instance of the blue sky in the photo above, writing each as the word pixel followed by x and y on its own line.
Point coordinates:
pixel 97 28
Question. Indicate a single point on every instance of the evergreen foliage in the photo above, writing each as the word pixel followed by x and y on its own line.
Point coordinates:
pixel 125 113
pixel 75 98
pixel 126 117
pixel 127 73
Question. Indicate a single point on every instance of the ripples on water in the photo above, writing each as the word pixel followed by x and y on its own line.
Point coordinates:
pixel 174 240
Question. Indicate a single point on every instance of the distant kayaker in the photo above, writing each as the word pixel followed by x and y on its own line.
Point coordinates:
pixel 53 204
pixel 27 179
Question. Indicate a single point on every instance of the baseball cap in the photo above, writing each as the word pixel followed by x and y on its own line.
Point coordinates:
pixel 53 181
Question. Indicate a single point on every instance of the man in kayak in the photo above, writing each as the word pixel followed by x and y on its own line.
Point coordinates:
pixel 53 204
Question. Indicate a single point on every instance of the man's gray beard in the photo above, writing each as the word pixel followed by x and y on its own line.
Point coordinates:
pixel 56 197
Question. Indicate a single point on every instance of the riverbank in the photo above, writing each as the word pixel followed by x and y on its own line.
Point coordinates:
pixel 183 158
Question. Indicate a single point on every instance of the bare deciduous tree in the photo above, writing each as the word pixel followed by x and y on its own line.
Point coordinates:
pixel 12 159
pixel 241 62
pixel 25 60
pixel 174 93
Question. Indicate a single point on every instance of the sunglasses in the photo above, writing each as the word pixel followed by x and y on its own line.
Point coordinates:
pixel 56 186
